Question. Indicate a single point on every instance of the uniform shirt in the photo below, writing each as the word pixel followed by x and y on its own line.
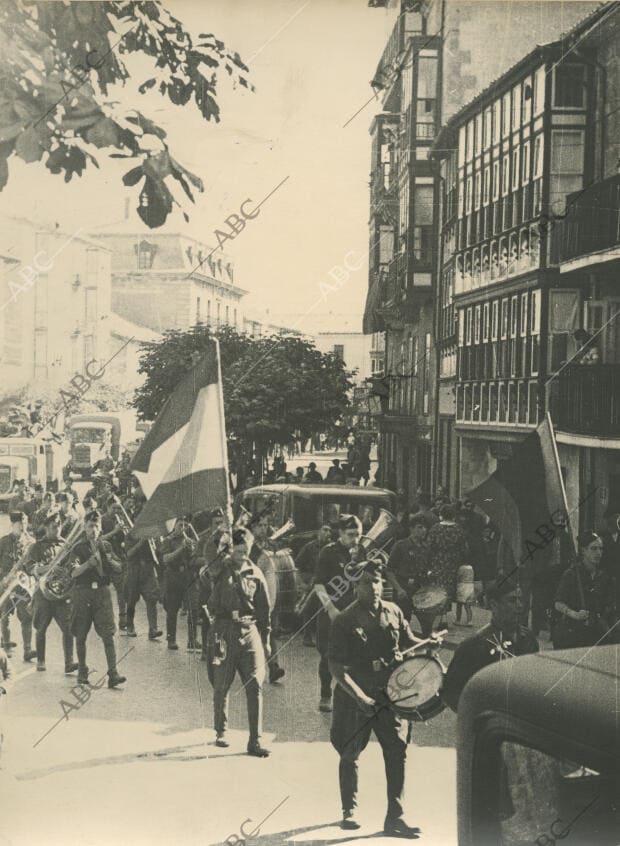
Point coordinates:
pixel 358 637
pixel 486 647
pixel 11 550
pixel 68 522
pixel 598 592
pixel 333 559
pixel 241 596
pixel 91 577
pixel 38 521
pixel 409 563
pixel 41 554
pixel 182 562
pixel 108 524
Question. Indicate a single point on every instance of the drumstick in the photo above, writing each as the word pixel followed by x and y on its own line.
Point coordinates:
pixel 424 642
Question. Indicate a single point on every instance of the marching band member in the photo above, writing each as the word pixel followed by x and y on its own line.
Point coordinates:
pixel 94 562
pixel 333 562
pixel 113 531
pixel 181 580
pixel 48 504
pixel 40 556
pixel 209 552
pixel 68 515
pixel 142 582
pixel 365 641
pixel 259 555
pixel 239 638
pixel 12 548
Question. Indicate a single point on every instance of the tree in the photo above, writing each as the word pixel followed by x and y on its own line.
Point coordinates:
pixel 275 388
pixel 57 61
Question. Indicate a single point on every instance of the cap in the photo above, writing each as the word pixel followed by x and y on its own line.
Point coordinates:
pixel 349 521
pixel 240 536
pixel 51 517
pixel 92 517
pixel 16 517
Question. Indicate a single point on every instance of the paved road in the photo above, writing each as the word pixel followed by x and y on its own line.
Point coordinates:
pixel 142 760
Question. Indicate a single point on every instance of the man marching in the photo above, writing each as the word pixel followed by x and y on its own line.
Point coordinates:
pixel 239 638
pixel 93 565
pixel 365 643
pixel 40 557
pixel 142 581
pixel 12 548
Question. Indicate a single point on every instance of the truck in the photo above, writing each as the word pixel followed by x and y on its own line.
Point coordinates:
pixel 95 437
pixel 35 460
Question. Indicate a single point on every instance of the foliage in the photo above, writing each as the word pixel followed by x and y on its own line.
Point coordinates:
pixel 274 387
pixel 57 61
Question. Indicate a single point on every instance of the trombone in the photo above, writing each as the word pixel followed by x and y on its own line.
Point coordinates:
pixel 127 524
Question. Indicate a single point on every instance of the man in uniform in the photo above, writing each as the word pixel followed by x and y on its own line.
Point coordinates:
pixel 181 581
pixel 48 504
pixel 142 582
pixel 113 531
pixel 68 515
pixel 12 548
pixel 503 637
pixel 334 588
pixel 40 557
pixel 93 564
pixel 307 561
pixel 31 506
pixel 408 570
pixel 261 557
pixel 365 644
pixel 209 553
pixel 239 638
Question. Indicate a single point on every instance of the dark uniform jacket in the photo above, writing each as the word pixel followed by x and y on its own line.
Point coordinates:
pixel 11 550
pixel 333 559
pixel 579 590
pixel 368 643
pixel 108 523
pixel 41 554
pixel 409 563
pixel 241 596
pixel 487 646
pixel 92 577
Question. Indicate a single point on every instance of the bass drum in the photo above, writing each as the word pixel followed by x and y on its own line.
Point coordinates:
pixel 413 688
pixel 289 584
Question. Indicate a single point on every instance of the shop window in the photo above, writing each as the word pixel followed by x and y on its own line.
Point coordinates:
pixel 569 86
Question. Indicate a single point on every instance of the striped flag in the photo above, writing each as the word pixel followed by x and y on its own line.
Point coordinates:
pixel 525 497
pixel 182 463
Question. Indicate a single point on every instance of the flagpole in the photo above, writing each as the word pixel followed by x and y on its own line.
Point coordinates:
pixel 561 478
pixel 224 444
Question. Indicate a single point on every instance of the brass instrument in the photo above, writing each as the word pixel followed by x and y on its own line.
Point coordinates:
pixel 287 527
pixel 243 519
pixel 385 519
pixel 56 583
pixel 17 578
pixel 127 523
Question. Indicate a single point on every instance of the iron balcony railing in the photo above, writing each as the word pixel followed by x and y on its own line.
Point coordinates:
pixel 590 224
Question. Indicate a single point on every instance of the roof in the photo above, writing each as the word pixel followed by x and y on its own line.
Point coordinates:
pixel 320 490
pixel 571 693
pixel 541 52
pixel 126 329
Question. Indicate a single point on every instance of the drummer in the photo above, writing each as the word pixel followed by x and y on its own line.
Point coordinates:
pixel 365 644
pixel 502 638
pixel 408 565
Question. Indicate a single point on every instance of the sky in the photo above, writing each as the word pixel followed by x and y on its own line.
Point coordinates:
pixel 311 62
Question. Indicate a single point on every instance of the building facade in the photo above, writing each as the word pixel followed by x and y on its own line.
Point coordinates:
pixel 525 295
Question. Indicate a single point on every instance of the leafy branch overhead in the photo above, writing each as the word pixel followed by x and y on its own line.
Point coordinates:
pixel 57 62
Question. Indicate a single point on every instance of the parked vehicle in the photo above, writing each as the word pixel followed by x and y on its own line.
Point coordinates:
pixel 539 751
pixel 97 437
pixel 312 506
pixel 33 459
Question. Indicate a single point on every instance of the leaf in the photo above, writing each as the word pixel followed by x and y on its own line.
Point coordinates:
pixel 148 83
pixel 7 133
pixel 133 176
pixel 28 145
pixel 104 133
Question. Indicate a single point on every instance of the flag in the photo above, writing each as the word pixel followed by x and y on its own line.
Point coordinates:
pixel 182 462
pixel 525 498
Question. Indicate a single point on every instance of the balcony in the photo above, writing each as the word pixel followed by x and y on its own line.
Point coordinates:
pixel 498 403
pixel 383 195
pixel 585 400
pixel 591 225
pixel 408 25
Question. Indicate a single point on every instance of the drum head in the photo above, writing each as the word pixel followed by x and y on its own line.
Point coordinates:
pixel 429 597
pixel 413 687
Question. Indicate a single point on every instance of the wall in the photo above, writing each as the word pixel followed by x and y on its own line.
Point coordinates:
pixel 356 350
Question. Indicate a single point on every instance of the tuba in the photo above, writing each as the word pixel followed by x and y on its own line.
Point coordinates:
pixel 56 583
pixel 17 581
pixel 367 542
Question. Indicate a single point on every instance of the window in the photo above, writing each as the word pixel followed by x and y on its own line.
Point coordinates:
pixel 569 86
pixel 504 320
pixel 486 190
pixel 218 313
pixel 488 126
pixel 497 121
pixel 339 351
pixel 477 324
pixel 485 323
pixel 208 311
pixel 528 94
pixel 538 157
pixel 494 313
pixel 470 141
pixel 514 316
pixel 145 254
pixel 525 164
pixel 506 114
pixel 567 157
pixel 495 181
pixel 427 373
pixel 505 175
pixel 235 318
pixel 468 327
pixel 462 146
pixel 516 107
pixel 461 197
pixel 468 196
pixel 539 91
pixel 477 189
pixel 461 334
pixel 197 309
pixel 227 315
pixel 515 169
pixel 478 135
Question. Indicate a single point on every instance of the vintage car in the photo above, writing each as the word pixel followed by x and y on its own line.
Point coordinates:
pixel 538 756
pixel 312 506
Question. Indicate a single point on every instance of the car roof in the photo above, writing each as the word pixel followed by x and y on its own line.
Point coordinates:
pixel 321 490
pixel 571 692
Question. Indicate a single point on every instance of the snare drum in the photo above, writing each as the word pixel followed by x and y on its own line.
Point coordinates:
pixel 413 688
pixel 430 599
